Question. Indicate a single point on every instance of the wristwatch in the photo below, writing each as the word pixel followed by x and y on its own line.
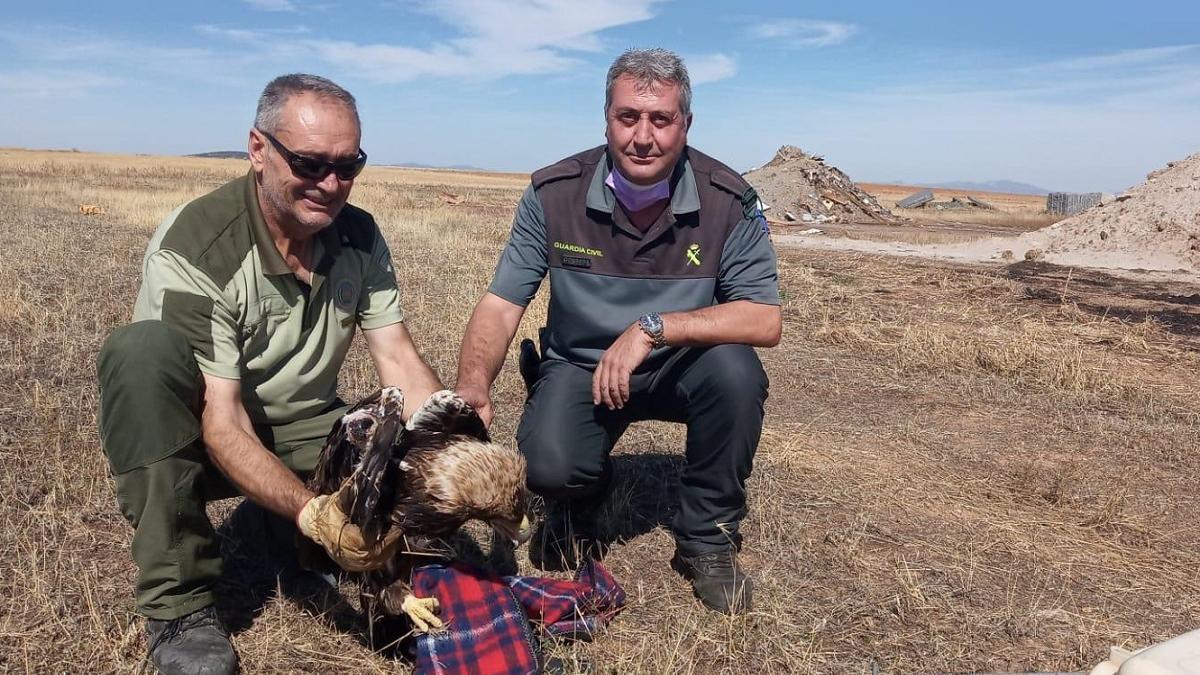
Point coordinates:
pixel 652 325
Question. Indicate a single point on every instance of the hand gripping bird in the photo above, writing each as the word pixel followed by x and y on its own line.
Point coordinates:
pixel 406 485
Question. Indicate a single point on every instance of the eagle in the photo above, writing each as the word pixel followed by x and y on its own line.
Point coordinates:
pixel 421 480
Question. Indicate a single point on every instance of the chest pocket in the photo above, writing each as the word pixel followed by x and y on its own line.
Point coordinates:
pixel 272 312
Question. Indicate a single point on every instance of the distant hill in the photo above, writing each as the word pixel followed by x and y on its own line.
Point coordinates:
pixel 239 154
pixel 222 154
pixel 454 167
pixel 1011 187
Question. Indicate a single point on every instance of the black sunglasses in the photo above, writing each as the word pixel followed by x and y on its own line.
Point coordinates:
pixel 317 169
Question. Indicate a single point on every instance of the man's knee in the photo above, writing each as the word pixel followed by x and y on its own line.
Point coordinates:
pixel 146 349
pixel 558 466
pixel 150 390
pixel 548 471
pixel 564 443
pixel 732 373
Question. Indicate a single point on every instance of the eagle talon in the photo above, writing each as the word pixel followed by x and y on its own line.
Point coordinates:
pixel 423 613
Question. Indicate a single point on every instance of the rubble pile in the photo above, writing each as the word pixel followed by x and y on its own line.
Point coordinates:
pixel 924 200
pixel 1155 225
pixel 802 188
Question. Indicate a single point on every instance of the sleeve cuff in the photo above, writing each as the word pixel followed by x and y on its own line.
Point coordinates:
pixel 764 299
pixel 381 320
pixel 222 370
pixel 515 298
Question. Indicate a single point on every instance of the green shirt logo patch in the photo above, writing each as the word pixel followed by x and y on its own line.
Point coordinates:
pixel 693 255
pixel 344 296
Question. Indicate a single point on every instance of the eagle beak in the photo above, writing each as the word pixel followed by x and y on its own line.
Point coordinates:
pixel 518 535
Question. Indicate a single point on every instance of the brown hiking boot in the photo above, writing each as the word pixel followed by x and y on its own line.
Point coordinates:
pixel 196 644
pixel 717 580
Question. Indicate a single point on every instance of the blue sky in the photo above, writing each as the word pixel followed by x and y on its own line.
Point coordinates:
pixel 1066 95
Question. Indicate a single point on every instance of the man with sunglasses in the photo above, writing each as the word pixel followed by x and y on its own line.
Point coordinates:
pixel 662 280
pixel 225 383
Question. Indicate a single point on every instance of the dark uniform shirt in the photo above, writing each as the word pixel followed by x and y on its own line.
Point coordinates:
pixel 711 245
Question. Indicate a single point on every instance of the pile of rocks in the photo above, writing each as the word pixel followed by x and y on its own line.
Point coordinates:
pixel 802 188
pixel 1155 225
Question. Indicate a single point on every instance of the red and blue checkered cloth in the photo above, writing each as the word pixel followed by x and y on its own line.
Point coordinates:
pixel 491 620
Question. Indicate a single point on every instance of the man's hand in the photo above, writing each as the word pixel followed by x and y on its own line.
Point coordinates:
pixel 322 521
pixel 485 344
pixel 481 400
pixel 610 383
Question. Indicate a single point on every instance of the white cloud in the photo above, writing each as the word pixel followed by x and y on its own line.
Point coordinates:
pixel 54 83
pixel 139 61
pixel 272 5
pixel 1136 76
pixel 565 24
pixel 803 32
pixel 250 36
pixel 1097 122
pixel 710 68
pixel 1126 58
pixel 496 38
pixel 487 40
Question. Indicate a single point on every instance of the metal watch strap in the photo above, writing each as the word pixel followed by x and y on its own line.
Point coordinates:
pixel 652 325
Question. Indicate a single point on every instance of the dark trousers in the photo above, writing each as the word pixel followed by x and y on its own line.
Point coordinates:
pixel 150 392
pixel 718 392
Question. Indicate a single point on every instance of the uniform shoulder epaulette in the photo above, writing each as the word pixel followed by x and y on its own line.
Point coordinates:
pixel 567 168
pixel 727 180
pixel 357 228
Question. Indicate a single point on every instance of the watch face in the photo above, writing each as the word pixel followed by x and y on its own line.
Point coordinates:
pixel 652 323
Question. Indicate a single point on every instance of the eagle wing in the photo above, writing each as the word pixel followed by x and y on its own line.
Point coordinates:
pixel 360 461
pixel 344 446
pixel 371 492
pixel 338 458
pixel 445 412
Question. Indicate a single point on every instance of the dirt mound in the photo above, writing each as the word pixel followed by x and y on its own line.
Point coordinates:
pixel 803 188
pixel 1155 225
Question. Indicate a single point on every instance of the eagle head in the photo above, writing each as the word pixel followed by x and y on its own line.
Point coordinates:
pixel 471 479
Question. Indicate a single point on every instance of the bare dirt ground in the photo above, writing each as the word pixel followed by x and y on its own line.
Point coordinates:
pixel 1149 229
pixel 964 467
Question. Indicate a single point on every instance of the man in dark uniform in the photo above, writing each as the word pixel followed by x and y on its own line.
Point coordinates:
pixel 662 280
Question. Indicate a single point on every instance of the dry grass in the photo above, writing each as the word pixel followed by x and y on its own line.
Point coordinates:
pixel 962 469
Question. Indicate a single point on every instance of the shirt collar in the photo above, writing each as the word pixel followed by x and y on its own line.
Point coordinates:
pixel 268 254
pixel 685 197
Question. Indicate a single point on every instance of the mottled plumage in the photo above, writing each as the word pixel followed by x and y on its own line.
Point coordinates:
pixel 425 478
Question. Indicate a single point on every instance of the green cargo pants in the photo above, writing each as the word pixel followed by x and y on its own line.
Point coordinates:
pixel 150 391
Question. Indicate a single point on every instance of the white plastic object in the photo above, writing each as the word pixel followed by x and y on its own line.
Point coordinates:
pixel 1116 658
pixel 1177 656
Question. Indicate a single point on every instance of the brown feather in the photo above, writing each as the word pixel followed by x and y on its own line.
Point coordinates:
pixel 444 480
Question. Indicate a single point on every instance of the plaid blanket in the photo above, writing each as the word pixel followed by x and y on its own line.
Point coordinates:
pixel 490 620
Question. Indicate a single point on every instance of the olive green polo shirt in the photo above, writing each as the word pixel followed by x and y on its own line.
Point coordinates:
pixel 213 273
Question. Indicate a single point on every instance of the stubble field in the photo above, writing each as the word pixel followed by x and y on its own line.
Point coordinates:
pixel 964 468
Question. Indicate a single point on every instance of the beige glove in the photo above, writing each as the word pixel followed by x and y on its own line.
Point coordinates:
pixel 322 521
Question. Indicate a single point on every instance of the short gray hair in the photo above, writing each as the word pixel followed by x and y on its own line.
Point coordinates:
pixel 648 67
pixel 279 90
